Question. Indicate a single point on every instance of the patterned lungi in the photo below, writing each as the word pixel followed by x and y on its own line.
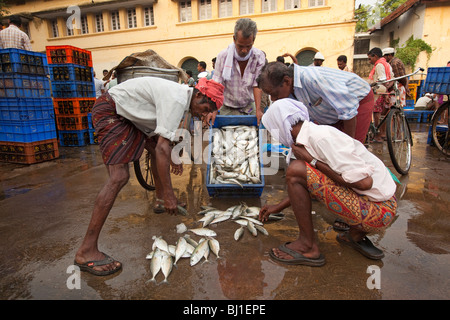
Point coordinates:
pixel 356 210
pixel 385 101
pixel 119 140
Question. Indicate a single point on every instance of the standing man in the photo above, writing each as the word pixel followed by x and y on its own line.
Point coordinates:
pixel 342 63
pixel 318 60
pixel 333 97
pixel 136 114
pixel 201 68
pixel 13 37
pixel 237 68
pixel 399 70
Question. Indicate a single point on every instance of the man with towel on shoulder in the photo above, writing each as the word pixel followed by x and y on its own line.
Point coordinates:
pixel 136 114
pixel 338 171
pixel 237 68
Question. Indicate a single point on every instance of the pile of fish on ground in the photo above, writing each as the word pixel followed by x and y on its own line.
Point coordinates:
pixel 164 256
pixel 235 156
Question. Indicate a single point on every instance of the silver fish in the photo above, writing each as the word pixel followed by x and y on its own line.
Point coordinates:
pixel 253 220
pixel 220 219
pixel 238 233
pixel 180 249
pixel 204 232
pixel 261 229
pixel 242 222
pixel 155 264
pixel 190 241
pixel 252 229
pixel 160 243
pixel 214 246
pixel 199 253
pixel 166 265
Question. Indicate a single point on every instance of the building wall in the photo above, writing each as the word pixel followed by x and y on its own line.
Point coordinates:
pixel 328 29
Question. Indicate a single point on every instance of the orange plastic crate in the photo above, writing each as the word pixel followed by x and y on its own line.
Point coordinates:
pixel 68 54
pixel 29 153
pixel 73 106
pixel 72 122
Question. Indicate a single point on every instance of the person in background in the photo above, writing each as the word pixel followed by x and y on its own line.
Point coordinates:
pixel 140 113
pixel 113 81
pixel 237 68
pixel 13 37
pixel 342 63
pixel 201 68
pixel 294 59
pixel 99 86
pixel 318 60
pixel 336 170
pixel 213 67
pixel 190 80
pixel 398 68
pixel 381 70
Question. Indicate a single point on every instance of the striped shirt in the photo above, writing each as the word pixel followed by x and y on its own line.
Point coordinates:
pixel 238 91
pixel 329 94
pixel 13 37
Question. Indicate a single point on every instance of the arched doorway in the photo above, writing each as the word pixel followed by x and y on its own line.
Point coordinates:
pixel 191 64
pixel 305 57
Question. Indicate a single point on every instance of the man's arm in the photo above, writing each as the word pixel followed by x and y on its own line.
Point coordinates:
pixel 163 152
pixel 349 127
pixel 257 96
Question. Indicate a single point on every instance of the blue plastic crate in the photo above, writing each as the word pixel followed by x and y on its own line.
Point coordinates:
pixel 17 109
pixel 73 89
pixel 426 115
pixel 438 80
pixel 74 138
pixel 441 129
pixel 13 85
pixel 27 131
pixel 23 61
pixel 93 138
pixel 232 190
pixel 412 115
pixel 71 72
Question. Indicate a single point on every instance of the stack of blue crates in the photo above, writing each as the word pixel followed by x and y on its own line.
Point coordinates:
pixel 26 107
pixel 72 86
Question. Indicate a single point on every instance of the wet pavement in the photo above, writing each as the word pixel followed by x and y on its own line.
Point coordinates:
pixel 45 209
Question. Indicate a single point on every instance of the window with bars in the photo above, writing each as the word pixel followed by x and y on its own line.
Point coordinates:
pixel 269 5
pixel 115 21
pixel 84 25
pixel 316 3
pixel 149 19
pixel 69 31
pixel 185 11
pixel 132 20
pixel 99 27
pixel 246 7
pixel 55 32
pixel 291 4
pixel 225 8
pixel 204 10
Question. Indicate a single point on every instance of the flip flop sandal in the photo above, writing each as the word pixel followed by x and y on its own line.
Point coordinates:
pixel 364 246
pixel 298 258
pixel 340 225
pixel 89 266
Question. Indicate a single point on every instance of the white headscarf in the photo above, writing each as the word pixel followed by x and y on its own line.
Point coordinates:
pixel 231 54
pixel 281 116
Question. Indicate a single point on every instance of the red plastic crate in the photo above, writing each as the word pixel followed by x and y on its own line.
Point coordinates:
pixel 29 153
pixel 76 106
pixel 68 54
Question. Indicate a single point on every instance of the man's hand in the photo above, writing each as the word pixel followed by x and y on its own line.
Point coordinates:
pixel 170 203
pixel 210 118
pixel 259 115
pixel 301 153
pixel 266 210
pixel 177 169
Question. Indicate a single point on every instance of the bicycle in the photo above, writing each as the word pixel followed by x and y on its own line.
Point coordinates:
pixel 398 133
pixel 439 128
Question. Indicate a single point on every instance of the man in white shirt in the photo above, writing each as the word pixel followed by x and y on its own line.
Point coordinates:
pixel 335 169
pixel 136 114
pixel 99 86
pixel 13 37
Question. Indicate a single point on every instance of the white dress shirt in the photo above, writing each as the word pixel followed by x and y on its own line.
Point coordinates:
pixel 154 105
pixel 347 157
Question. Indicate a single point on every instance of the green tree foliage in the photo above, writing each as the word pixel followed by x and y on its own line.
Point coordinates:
pixel 367 16
pixel 3 10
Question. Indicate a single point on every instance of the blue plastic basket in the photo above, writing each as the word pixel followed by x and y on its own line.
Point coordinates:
pixel 27 131
pixel 232 190
pixel 26 109
pixel 74 138
pixel 438 80
pixel 73 89
pixel 23 61
pixel 71 72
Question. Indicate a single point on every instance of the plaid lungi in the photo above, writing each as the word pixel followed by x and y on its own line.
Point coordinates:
pixel 356 210
pixel 119 140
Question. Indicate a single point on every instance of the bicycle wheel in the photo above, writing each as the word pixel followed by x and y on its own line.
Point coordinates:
pixel 143 171
pixel 440 132
pixel 399 140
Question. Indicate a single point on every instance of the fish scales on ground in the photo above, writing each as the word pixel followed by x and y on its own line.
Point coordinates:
pixel 235 156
